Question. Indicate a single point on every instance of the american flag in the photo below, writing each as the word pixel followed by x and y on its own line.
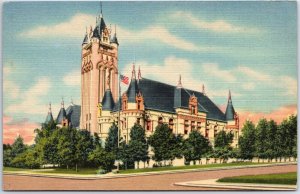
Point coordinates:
pixel 124 79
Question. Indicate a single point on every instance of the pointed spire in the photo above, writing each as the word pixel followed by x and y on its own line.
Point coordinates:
pixel 229 96
pixel 62 102
pixel 139 73
pixel 115 29
pixel 179 85
pixel 203 89
pixel 133 72
pixel 101 15
pixel 49 108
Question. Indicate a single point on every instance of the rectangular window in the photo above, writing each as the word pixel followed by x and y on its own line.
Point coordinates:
pixel 198 126
pixel 90 116
pixel 171 124
pixel 193 127
pixel 148 125
pixel 138 121
pixel 160 120
pixel 206 133
pixel 186 126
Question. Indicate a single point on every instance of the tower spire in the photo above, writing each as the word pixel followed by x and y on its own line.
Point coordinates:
pixel 101 15
pixel 203 89
pixel 229 96
pixel 139 73
pixel 62 102
pixel 179 85
pixel 133 72
pixel 50 107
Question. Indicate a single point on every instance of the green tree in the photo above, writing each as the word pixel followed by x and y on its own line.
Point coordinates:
pixel 105 160
pixel 223 139
pixel 261 142
pixel 222 146
pixel 138 144
pixel 162 142
pixel 7 157
pixel 272 150
pixel 111 142
pixel 84 145
pixel 247 141
pixel 67 147
pixel 18 147
pixel 125 155
pixel 195 147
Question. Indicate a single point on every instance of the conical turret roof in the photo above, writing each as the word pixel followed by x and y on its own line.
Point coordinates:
pixel 230 112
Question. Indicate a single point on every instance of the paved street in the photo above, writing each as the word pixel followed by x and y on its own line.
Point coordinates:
pixel 151 182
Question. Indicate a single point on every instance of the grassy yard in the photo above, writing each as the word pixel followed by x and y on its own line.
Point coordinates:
pixel 92 171
pixel 82 171
pixel 184 167
pixel 283 178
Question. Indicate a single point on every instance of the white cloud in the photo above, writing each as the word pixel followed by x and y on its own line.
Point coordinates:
pixel 75 27
pixel 248 86
pixel 253 74
pixel 11 89
pixel 215 26
pixel 72 78
pixel 160 34
pixel 169 72
pixel 214 70
pixel 289 85
pixel 31 100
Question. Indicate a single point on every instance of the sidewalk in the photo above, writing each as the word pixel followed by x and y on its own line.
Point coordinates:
pixel 212 183
pixel 39 173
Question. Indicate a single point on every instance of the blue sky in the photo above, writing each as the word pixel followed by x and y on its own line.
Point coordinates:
pixel 248 47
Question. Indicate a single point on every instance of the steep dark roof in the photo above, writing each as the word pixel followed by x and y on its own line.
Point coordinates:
pixel 213 111
pixel 108 101
pixel 118 105
pixel 114 39
pixel 229 111
pixel 61 115
pixel 73 115
pixel 157 95
pixel 160 96
pixel 49 118
pixel 85 40
pixel 132 90
pixel 99 27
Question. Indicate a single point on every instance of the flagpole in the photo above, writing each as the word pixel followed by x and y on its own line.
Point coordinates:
pixel 119 119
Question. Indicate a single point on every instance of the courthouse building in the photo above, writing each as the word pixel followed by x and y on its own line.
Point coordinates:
pixel 146 102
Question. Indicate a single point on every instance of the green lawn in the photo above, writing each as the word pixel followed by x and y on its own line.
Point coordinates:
pixel 184 167
pixel 92 171
pixel 82 171
pixel 283 178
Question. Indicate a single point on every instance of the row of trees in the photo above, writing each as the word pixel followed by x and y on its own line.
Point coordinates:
pixel 268 140
pixel 67 147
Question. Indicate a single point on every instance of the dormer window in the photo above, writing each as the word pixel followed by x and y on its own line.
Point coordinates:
pixel 193 105
pixel 139 101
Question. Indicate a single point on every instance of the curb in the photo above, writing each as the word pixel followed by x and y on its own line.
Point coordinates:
pixel 83 177
pixel 212 183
